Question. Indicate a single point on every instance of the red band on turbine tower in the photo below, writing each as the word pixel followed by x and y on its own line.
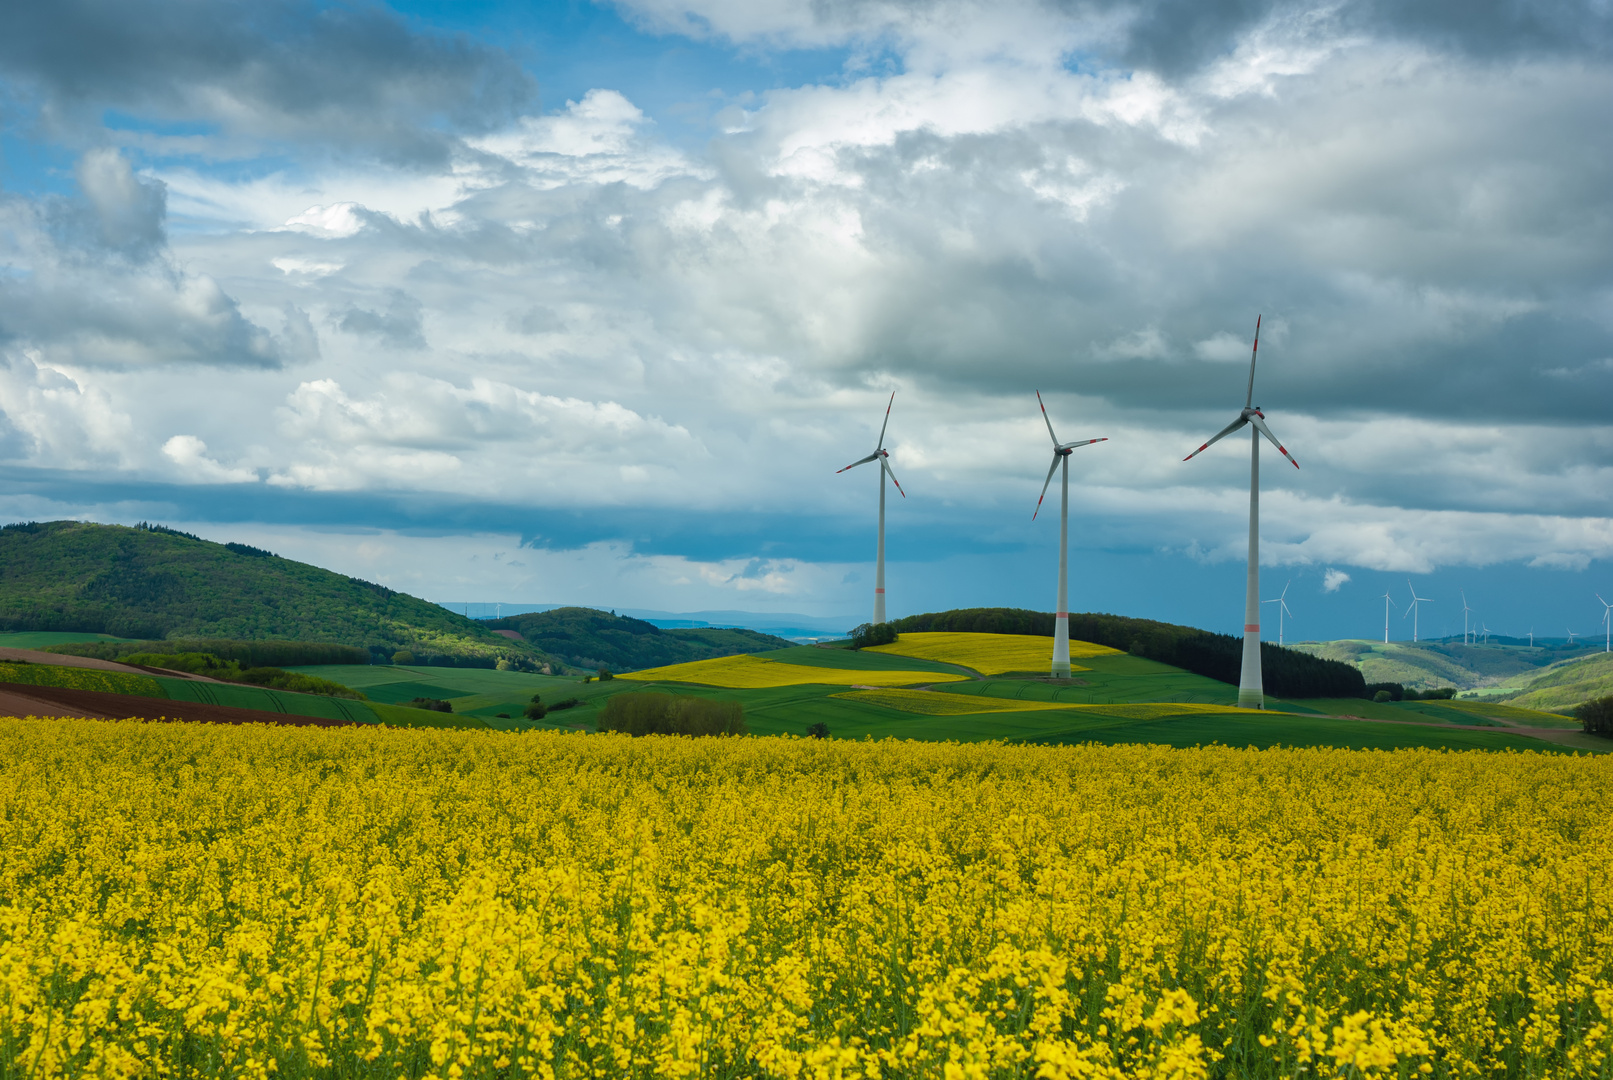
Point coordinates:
pixel 1251 627
pixel 879 590
pixel 1063 614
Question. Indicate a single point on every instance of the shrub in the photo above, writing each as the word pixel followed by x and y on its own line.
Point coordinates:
pixel 1596 715
pixel 669 714
pixel 871 634
pixel 403 656
pixel 605 674
pixel 213 667
pixel 535 710
pixel 568 703
pixel 1395 691
pixel 1382 695
pixel 820 730
pixel 428 703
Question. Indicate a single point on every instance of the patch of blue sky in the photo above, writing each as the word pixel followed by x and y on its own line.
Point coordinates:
pixel 682 83
pixel 32 167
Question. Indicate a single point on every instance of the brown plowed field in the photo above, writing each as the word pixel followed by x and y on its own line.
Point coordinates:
pixel 17 699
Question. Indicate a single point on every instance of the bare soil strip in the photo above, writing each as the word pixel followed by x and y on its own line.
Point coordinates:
pixel 17 699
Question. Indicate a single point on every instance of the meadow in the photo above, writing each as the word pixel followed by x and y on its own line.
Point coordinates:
pixel 358 902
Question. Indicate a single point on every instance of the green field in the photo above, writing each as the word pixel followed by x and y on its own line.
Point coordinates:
pixel 1112 680
pixel 39 639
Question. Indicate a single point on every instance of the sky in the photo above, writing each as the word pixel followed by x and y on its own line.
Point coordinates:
pixel 587 302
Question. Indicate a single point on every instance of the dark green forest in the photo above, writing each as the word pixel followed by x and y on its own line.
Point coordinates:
pixel 586 638
pixel 1287 673
pixel 156 584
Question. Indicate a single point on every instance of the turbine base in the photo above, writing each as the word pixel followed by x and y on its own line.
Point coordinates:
pixel 1251 699
pixel 1061 671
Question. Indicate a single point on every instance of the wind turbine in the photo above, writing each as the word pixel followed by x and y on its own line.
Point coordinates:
pixel 1061 620
pixel 1531 637
pixel 1387 604
pixel 882 456
pixel 1570 639
pixel 1251 688
pixel 1486 632
pixel 1607 624
pixel 1282 609
pixel 1412 608
pixel 1465 610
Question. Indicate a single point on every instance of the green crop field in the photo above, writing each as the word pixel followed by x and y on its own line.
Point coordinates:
pixel 39 639
pixel 1112 680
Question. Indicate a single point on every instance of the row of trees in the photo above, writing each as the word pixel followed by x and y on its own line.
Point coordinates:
pixel 1287 673
pixel 671 714
pixel 280 654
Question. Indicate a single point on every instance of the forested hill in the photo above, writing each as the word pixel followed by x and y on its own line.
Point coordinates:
pixel 1287 673
pixel 587 638
pixel 150 582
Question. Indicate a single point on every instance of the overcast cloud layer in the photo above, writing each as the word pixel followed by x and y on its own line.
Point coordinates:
pixel 301 271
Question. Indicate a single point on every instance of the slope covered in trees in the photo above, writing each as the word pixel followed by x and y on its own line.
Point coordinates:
pixel 155 583
pixel 586 638
pixel 1218 656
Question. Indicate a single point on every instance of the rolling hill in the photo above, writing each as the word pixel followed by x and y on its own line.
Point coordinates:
pixel 1508 665
pixel 1564 685
pixel 586 638
pixel 156 583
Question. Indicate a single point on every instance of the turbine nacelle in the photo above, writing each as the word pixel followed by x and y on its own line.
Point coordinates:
pixel 1060 452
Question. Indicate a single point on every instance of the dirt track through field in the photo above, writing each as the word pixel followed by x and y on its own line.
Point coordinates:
pixel 17 699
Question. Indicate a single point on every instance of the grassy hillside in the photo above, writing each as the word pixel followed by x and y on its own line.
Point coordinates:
pixel 1427 664
pixel 158 584
pixel 1567 684
pixel 585 638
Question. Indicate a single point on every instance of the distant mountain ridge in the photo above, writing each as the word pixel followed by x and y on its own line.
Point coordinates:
pixel 588 638
pixel 157 583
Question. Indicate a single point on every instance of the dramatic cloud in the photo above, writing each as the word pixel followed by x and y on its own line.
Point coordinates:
pixel 390 280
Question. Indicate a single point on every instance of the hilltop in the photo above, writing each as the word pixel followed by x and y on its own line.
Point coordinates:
pixel 586 638
pixel 157 583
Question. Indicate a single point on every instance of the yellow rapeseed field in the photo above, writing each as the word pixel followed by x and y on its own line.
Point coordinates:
pixel 989 654
pixel 941 703
pixel 250 902
pixel 754 673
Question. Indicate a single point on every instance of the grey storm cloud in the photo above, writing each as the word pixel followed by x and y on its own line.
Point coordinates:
pixel 400 325
pixel 344 76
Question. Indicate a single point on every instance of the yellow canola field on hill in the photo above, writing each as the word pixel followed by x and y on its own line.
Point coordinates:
pixel 940 703
pixel 190 900
pixel 989 654
pixel 755 673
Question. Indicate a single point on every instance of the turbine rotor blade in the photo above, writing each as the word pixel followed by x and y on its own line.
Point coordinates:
pixel 1253 353
pixel 1050 471
pixel 860 461
pixel 1218 436
pixel 1083 442
pixel 1260 426
pixel 887 422
pixel 1045 420
pixel 887 465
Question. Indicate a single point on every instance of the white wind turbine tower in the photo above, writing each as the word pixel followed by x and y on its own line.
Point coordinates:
pixel 1465 610
pixel 1282 609
pixel 1061 620
pixel 1251 688
pixel 1570 639
pixel 882 456
pixel 1607 624
pixel 1412 608
pixel 1486 632
pixel 1387 604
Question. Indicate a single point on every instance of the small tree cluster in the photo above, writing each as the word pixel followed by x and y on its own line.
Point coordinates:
pixel 434 704
pixel 1596 715
pixel 671 714
pixel 870 634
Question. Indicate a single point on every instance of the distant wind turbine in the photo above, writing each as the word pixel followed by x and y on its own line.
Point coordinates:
pixel 1465 610
pixel 1061 620
pixel 1531 637
pixel 1607 624
pixel 1387 604
pixel 1486 632
pixel 1282 609
pixel 1251 688
pixel 882 456
pixel 1570 639
pixel 1412 607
